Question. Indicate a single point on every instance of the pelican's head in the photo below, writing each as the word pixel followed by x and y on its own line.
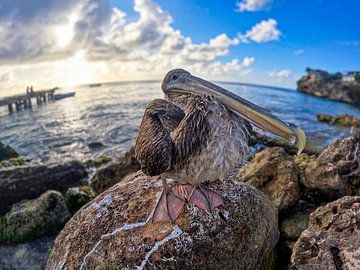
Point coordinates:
pixel 179 81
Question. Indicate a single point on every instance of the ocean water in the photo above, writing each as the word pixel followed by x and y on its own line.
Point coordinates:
pixel 111 114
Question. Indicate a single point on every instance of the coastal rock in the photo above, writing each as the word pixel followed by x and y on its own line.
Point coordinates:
pixel 78 196
pixel 331 87
pixel 115 232
pixel 114 172
pixel 30 219
pixel 332 239
pixel 26 256
pixel 343 120
pixel 273 172
pixel 28 182
pixel 331 174
pixel 7 152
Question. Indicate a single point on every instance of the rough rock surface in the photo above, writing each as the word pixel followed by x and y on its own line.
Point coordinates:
pixel 31 219
pixel 115 232
pixel 114 172
pixel 333 173
pixel 7 152
pixel 274 173
pixel 78 196
pixel 343 120
pixel 332 239
pixel 334 90
pixel 27 256
pixel 31 181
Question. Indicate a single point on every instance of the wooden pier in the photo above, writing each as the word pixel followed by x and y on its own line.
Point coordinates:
pixel 18 102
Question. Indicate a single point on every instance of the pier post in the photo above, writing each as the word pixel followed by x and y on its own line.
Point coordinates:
pixel 10 108
pixel 29 103
pixel 17 106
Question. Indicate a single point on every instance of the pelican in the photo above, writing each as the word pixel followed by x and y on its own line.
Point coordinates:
pixel 199 133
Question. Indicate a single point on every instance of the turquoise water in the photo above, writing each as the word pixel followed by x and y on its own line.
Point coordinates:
pixel 112 113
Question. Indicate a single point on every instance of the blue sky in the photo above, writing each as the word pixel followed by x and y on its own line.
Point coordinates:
pixel 319 34
pixel 49 43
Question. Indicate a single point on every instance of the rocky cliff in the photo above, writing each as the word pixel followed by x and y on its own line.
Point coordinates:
pixel 330 88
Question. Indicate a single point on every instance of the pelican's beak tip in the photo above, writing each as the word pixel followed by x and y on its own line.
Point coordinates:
pixel 300 140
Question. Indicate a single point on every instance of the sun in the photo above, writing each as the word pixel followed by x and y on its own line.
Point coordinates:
pixel 76 70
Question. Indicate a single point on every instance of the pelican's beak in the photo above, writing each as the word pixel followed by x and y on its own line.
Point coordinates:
pixel 251 112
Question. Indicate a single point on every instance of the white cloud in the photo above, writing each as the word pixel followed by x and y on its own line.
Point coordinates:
pixel 280 74
pixel 299 52
pixel 248 61
pixel 264 31
pixel 92 37
pixel 252 5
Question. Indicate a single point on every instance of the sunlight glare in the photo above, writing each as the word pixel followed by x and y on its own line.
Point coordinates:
pixel 65 33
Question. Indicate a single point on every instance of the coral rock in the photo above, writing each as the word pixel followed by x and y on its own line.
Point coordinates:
pixel 329 174
pixel 115 231
pixel 332 239
pixel 274 173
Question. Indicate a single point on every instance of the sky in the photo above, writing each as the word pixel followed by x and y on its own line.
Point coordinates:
pixel 47 43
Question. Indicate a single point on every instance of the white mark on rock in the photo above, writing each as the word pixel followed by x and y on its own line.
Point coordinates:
pixel 125 227
pixel 101 206
pixel 61 264
pixel 175 233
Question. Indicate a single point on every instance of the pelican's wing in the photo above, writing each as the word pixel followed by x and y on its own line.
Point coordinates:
pixel 192 131
pixel 154 147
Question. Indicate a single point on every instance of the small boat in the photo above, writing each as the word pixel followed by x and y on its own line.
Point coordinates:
pixel 64 95
pixel 95 85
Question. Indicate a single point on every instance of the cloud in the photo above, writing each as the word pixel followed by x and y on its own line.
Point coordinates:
pixel 264 31
pixel 299 52
pixel 252 5
pixel 38 38
pixel 248 61
pixel 280 74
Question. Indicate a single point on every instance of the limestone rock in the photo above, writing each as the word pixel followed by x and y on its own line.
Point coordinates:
pixel 329 174
pixel 115 232
pixel 274 173
pixel 332 239
pixel 30 219
pixel 114 172
pixel 29 182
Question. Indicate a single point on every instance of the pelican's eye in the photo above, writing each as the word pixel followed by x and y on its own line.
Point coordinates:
pixel 174 77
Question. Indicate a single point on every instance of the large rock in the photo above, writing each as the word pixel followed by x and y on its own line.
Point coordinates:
pixel 31 219
pixel 115 232
pixel 332 239
pixel 330 89
pixel 274 173
pixel 28 182
pixel 7 152
pixel 330 175
pixel 26 256
pixel 114 172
